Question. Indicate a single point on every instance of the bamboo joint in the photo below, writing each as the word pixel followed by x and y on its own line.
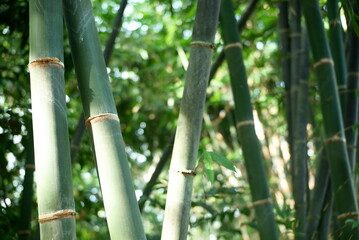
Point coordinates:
pixel 185 172
pixel 46 61
pixel 241 124
pixel 62 214
pixel 323 61
pixel 335 138
pixel 348 215
pixel 260 202
pixel 100 118
pixel 202 44
pixel 230 45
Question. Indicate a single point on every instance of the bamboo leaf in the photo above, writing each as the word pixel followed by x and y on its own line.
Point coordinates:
pixel 223 161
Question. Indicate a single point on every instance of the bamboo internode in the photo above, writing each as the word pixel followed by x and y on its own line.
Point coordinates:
pixel 62 214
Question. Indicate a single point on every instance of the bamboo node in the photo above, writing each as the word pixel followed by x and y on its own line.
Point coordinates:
pixel 295 34
pixel 46 61
pixel 260 202
pixel 335 138
pixel 202 44
pixel 353 74
pixel 334 22
pixel 342 87
pixel 243 123
pixel 30 166
pixel 24 232
pixel 100 118
pixel 323 61
pixel 62 214
pixel 236 44
pixel 186 172
pixel 347 215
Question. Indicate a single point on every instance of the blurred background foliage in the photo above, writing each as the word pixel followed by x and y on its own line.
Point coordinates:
pixel 147 72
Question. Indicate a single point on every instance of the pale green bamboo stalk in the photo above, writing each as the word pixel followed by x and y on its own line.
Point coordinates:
pixel 178 202
pixel 51 138
pixel 345 199
pixel 122 212
pixel 251 147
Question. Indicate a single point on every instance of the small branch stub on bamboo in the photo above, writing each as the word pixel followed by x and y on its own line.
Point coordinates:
pixel 46 61
pixel 323 61
pixel 203 44
pixel 100 118
pixel 185 172
pixel 236 44
pixel 62 214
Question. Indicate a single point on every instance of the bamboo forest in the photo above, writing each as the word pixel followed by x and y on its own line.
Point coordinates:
pixel 179 119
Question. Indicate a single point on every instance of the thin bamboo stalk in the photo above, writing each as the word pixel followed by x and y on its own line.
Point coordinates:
pixel 51 139
pixel 28 191
pixel 345 199
pixel 188 131
pixel 337 50
pixel 122 212
pixel 244 123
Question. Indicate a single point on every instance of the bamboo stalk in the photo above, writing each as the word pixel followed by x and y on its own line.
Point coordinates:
pixel 28 191
pixel 122 212
pixel 185 148
pixel 107 53
pixel 345 199
pixel 244 123
pixel 51 139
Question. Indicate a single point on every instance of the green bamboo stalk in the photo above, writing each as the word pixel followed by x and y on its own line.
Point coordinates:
pixel 345 199
pixel 244 122
pixel 337 50
pixel 107 53
pixel 28 191
pixel 185 148
pixel 286 64
pixel 51 139
pixel 318 196
pixel 300 157
pixel 352 98
pixel 122 212
pixel 240 25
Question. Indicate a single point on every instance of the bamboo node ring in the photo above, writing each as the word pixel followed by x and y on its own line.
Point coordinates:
pixel 186 172
pixel 30 166
pixel 260 202
pixel 323 61
pixel 335 138
pixel 342 87
pixel 100 118
pixel 236 44
pixel 243 123
pixel 46 61
pixel 202 44
pixel 62 214
pixel 347 215
pixel 353 74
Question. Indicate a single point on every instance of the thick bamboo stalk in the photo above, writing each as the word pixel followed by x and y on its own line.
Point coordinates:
pixel 107 53
pixel 244 122
pixel 28 192
pixel 300 158
pixel 345 199
pixel 185 148
pixel 122 212
pixel 51 139
pixel 351 118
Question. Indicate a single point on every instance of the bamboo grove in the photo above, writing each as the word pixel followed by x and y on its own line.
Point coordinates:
pixel 208 119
